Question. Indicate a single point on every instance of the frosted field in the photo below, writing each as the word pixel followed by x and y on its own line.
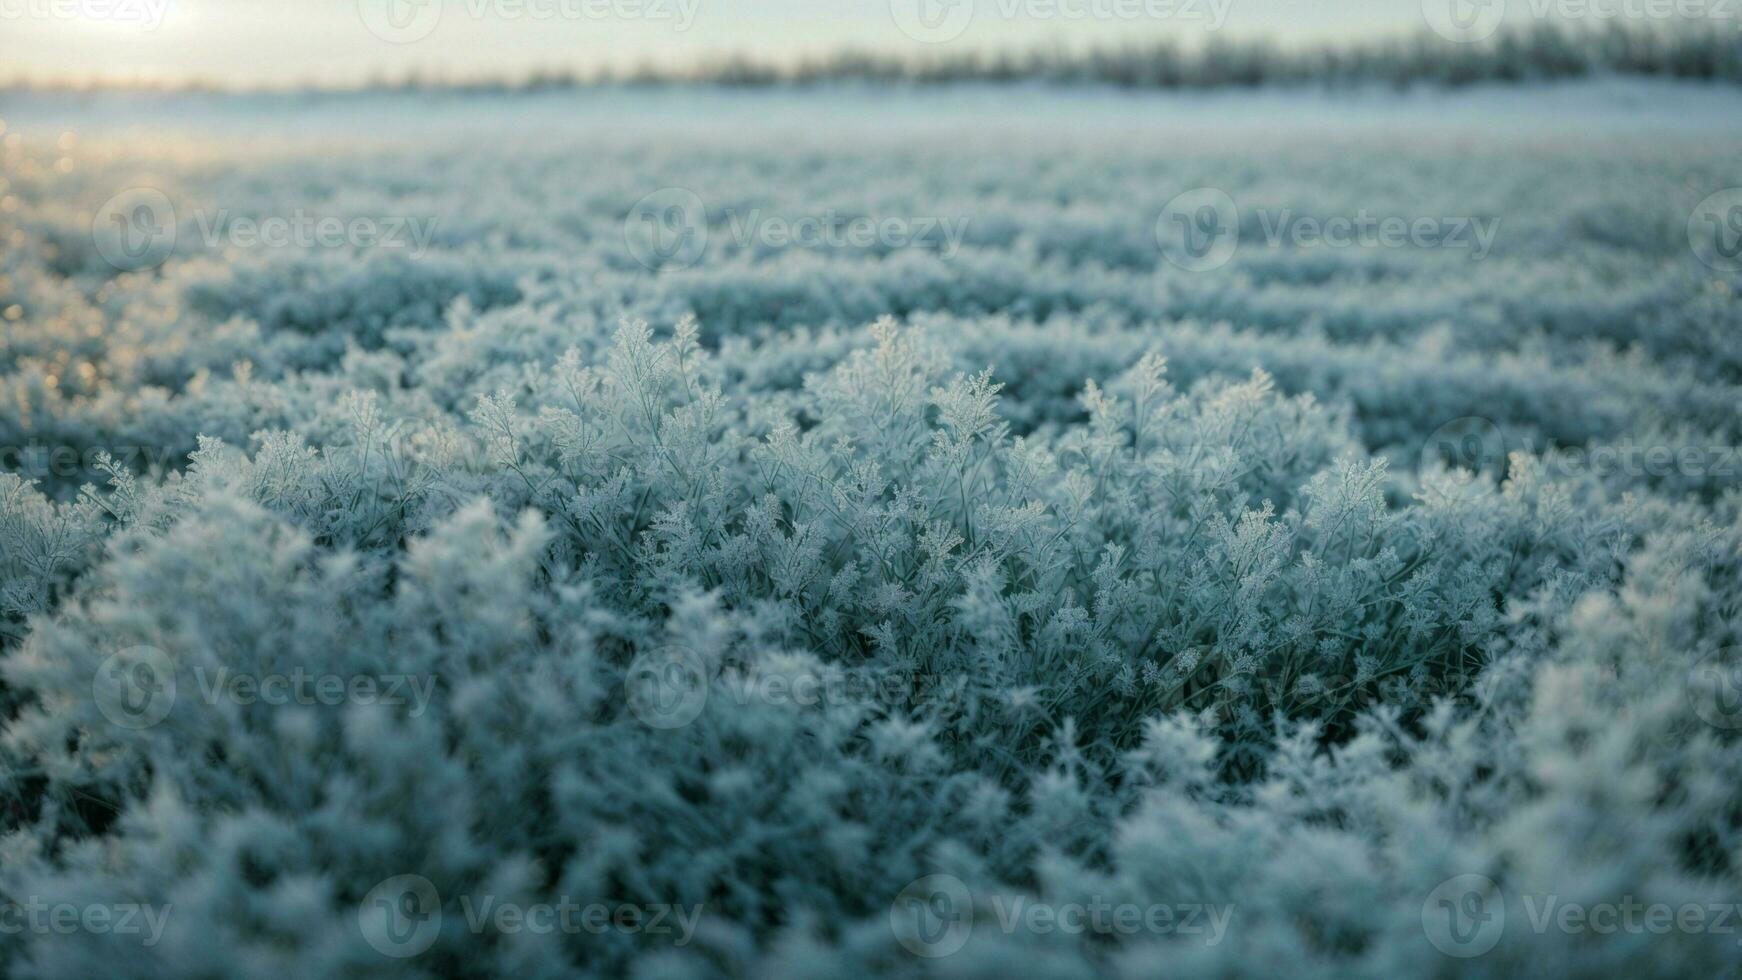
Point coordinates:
pixel 976 533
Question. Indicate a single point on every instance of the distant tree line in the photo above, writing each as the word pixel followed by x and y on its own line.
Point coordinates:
pixel 1540 52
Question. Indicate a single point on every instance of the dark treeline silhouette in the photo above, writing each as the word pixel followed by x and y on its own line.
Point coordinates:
pixel 1541 52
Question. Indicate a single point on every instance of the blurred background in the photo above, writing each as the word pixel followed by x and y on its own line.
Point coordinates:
pixel 290 44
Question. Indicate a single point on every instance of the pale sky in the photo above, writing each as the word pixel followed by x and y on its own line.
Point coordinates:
pixel 291 42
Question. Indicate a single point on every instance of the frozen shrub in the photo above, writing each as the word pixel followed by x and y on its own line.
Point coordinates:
pixel 791 590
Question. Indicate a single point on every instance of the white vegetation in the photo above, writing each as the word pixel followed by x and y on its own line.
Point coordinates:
pixel 1179 614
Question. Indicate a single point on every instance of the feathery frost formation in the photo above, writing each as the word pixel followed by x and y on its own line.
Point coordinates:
pixel 843 609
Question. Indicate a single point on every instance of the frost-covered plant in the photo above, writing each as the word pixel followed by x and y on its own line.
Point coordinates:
pixel 774 586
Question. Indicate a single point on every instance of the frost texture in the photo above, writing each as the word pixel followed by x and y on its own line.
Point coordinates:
pixel 1119 583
